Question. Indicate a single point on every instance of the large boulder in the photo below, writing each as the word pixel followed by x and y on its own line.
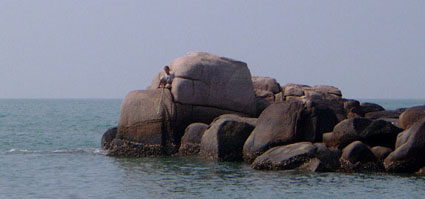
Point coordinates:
pixel 346 132
pixel 285 157
pixel 206 80
pixel 408 155
pixel 358 157
pixel 411 115
pixel 224 139
pixel 380 133
pixel 280 124
pixel 303 155
pixel 191 139
pixel 145 125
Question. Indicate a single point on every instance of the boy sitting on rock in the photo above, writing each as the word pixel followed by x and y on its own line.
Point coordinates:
pixel 167 79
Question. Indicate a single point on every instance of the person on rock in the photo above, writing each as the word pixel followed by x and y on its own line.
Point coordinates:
pixel 167 79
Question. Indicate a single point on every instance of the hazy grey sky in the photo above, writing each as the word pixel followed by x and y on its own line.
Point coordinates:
pixel 104 49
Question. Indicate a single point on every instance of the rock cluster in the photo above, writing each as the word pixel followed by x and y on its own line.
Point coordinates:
pixel 217 110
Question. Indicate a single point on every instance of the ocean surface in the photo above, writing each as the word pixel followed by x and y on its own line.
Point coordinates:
pixel 50 148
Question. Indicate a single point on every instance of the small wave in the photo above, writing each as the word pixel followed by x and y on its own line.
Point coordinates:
pixel 94 151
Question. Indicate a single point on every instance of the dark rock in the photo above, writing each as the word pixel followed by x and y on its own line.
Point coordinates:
pixel 371 107
pixel 279 124
pixel 395 122
pixel 383 114
pixel 353 109
pixel 411 115
pixel 381 152
pixel 408 155
pixel 285 157
pixel 262 100
pixel 322 118
pixel 346 132
pixel 302 155
pixel 191 139
pixel 380 133
pixel 107 138
pixel 336 104
pixel 328 159
pixel 224 139
pixel 358 157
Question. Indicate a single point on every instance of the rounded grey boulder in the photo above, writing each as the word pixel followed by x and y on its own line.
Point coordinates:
pixel 207 80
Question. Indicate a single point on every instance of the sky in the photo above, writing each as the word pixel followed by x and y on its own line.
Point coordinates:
pixel 106 48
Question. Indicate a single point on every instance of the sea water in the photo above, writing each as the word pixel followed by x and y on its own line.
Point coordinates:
pixel 50 148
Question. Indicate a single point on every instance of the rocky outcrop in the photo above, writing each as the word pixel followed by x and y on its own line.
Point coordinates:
pixel 221 92
pixel 191 139
pixel 224 139
pixel 152 122
pixel 411 115
pixel 410 147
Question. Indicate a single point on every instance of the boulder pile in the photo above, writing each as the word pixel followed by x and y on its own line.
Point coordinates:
pixel 217 110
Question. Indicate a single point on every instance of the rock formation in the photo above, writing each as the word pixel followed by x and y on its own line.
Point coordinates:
pixel 215 109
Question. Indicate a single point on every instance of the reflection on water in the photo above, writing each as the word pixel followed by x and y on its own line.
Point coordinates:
pixel 182 177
